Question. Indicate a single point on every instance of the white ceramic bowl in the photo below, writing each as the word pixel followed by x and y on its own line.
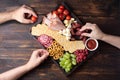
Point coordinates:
pixel 95 41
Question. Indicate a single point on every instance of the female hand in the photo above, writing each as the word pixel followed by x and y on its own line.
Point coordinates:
pixel 37 57
pixel 19 14
pixel 95 31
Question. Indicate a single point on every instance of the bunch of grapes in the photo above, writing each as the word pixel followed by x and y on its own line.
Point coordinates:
pixel 67 61
pixel 81 55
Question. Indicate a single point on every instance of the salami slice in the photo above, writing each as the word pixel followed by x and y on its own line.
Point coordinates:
pixel 45 40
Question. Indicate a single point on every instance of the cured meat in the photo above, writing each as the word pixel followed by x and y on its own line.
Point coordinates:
pixel 53 22
pixel 45 40
pixel 46 21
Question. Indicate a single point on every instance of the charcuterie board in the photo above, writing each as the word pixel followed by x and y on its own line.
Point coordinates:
pixel 59 32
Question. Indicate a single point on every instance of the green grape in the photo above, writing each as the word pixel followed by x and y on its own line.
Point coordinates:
pixel 66 56
pixel 67 53
pixel 61 64
pixel 64 66
pixel 73 56
pixel 74 62
pixel 67 62
pixel 67 69
pixel 69 65
pixel 73 59
pixel 61 59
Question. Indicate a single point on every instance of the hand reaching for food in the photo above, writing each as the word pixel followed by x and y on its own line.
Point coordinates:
pixel 98 34
pixel 37 57
pixel 95 31
pixel 19 15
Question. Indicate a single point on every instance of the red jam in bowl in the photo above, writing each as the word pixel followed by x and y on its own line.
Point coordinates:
pixel 91 44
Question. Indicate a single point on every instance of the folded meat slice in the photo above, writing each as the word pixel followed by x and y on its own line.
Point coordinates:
pixel 50 16
pixel 46 21
pixel 53 22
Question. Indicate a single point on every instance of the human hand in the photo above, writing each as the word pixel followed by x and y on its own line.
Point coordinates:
pixel 19 14
pixel 95 31
pixel 37 57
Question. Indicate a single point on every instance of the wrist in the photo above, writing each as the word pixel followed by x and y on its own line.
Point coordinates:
pixel 28 67
pixel 8 15
pixel 12 15
pixel 103 37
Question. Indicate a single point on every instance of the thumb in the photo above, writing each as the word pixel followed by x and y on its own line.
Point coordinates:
pixel 42 58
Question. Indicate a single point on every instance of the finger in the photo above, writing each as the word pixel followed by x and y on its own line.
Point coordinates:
pixel 27 21
pixel 30 12
pixel 42 52
pixel 85 34
pixel 88 24
pixel 43 57
pixel 86 28
pixel 27 7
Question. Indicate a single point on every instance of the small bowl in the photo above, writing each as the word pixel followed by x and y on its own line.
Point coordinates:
pixel 91 44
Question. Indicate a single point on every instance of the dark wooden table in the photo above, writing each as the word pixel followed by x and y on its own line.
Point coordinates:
pixel 16 43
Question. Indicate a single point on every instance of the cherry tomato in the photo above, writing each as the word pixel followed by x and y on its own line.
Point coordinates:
pixel 61 16
pixel 68 17
pixel 65 12
pixel 62 7
pixel 60 10
pixel 34 19
pixel 55 12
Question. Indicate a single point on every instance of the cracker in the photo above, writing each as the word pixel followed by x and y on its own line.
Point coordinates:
pixel 70 46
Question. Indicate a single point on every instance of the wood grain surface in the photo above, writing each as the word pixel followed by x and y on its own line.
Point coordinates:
pixel 17 44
